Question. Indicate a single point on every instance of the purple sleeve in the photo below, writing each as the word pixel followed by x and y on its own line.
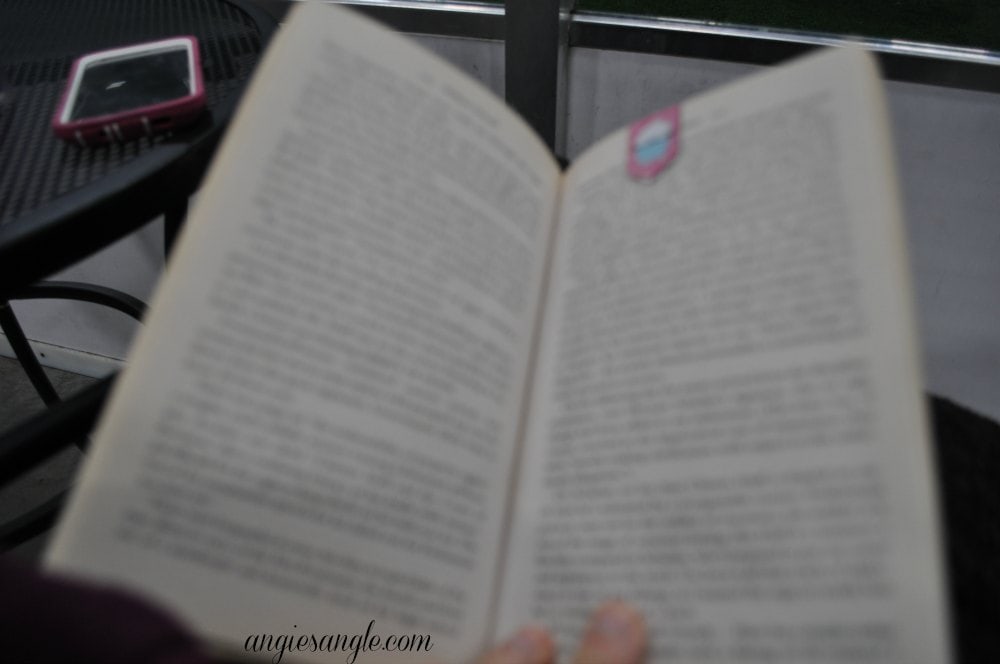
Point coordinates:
pixel 51 619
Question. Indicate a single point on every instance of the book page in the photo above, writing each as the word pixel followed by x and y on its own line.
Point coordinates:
pixel 317 425
pixel 728 429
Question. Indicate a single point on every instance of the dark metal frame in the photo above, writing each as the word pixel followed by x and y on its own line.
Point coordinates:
pixel 59 290
pixel 537 38
pixel 932 64
pixel 538 34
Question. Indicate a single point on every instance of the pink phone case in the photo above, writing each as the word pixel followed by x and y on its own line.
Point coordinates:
pixel 134 122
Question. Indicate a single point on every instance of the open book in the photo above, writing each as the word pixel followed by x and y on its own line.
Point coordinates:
pixel 403 369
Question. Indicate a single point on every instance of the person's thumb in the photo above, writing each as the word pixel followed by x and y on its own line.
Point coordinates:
pixel 530 645
pixel 616 635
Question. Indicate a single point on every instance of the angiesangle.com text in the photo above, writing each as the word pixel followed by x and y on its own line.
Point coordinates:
pixel 350 644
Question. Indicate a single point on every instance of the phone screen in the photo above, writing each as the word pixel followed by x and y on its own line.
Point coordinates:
pixel 128 82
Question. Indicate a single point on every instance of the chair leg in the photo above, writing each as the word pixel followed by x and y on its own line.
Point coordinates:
pixel 79 292
pixel 26 356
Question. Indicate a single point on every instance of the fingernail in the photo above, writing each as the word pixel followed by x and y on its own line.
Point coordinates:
pixel 527 646
pixel 613 622
pixel 618 630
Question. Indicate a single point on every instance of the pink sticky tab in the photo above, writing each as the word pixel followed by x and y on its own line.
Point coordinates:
pixel 652 143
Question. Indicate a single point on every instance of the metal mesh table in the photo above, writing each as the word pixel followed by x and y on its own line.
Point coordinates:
pixel 60 202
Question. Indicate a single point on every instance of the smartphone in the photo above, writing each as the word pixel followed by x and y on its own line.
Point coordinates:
pixel 124 93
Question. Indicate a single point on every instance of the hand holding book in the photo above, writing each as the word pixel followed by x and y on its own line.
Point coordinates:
pixel 616 634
